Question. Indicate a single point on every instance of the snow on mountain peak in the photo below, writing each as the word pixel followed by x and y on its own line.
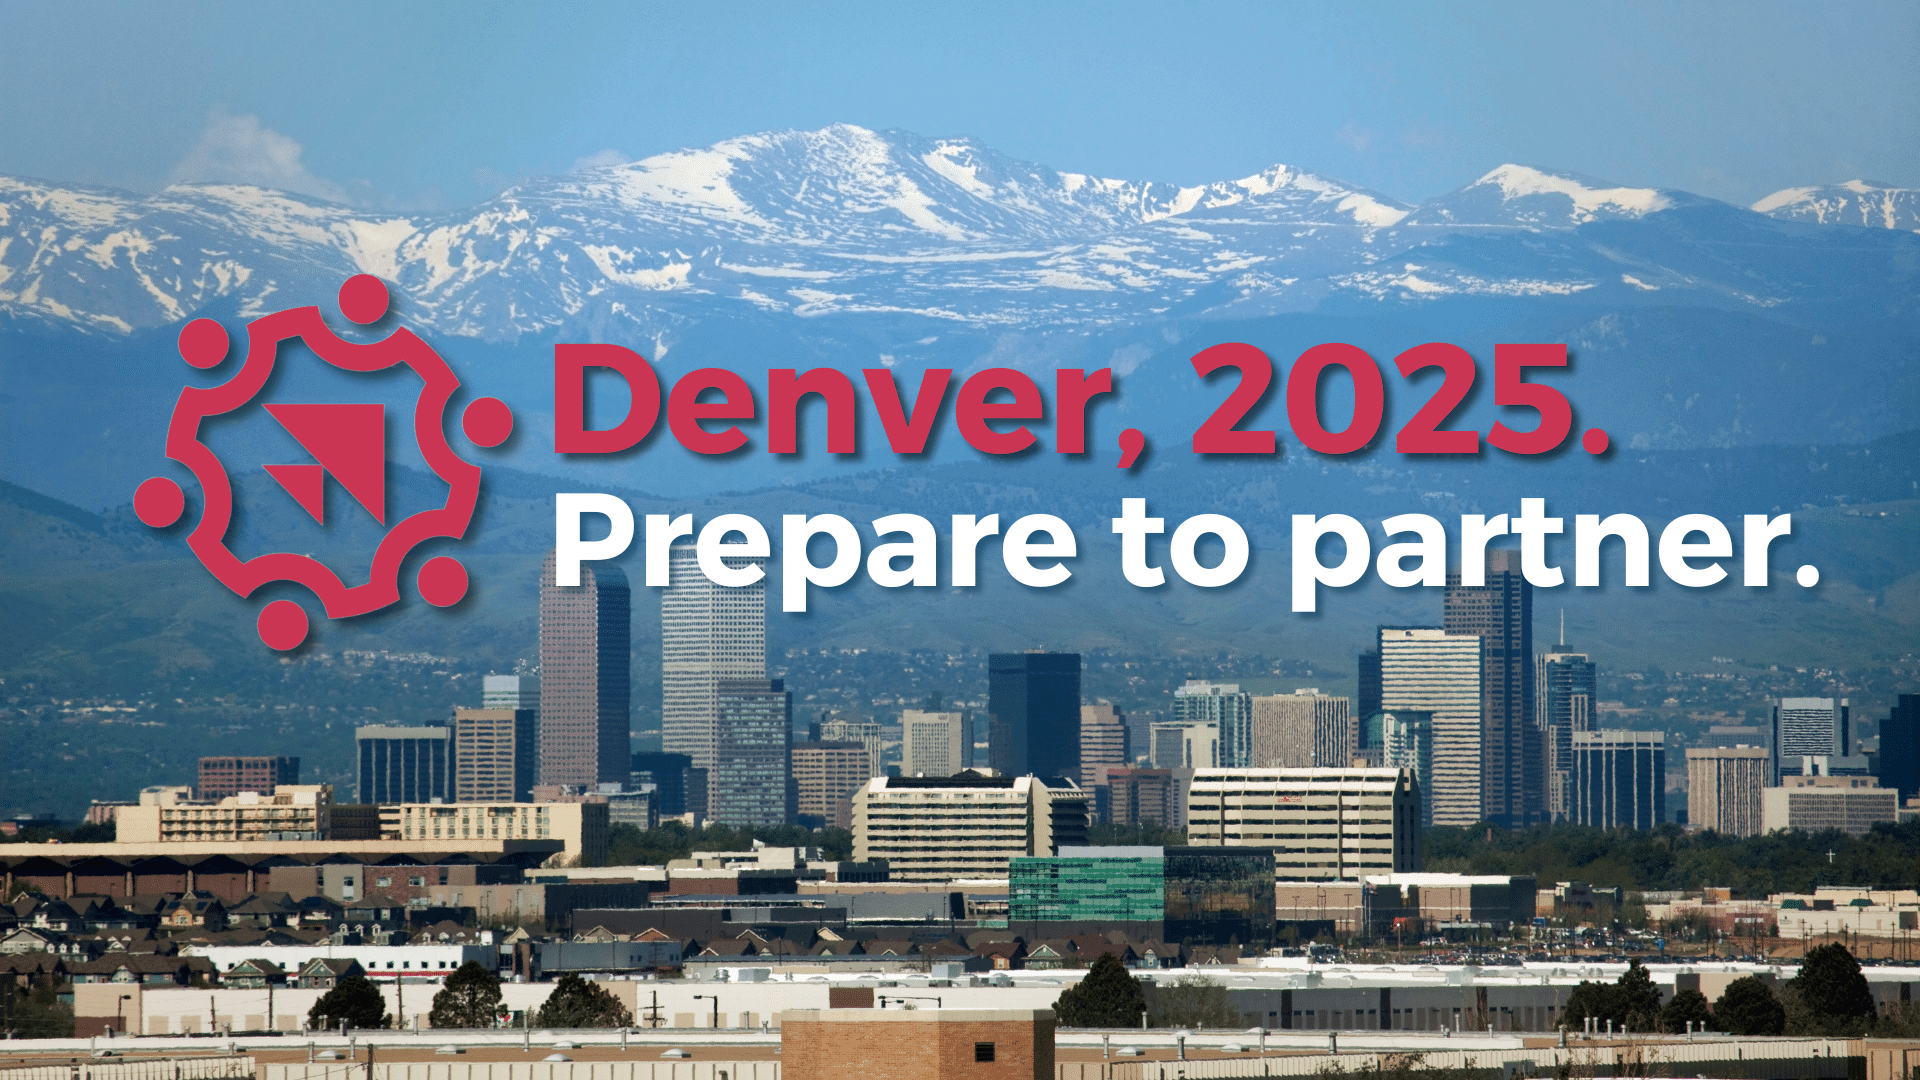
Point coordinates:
pixel 1521 195
pixel 1855 202
pixel 1519 181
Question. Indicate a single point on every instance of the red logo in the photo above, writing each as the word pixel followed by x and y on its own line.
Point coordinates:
pixel 345 440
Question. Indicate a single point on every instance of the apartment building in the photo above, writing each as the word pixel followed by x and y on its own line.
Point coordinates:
pixel 966 826
pixel 1320 823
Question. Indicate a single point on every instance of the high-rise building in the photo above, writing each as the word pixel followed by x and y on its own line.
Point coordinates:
pixel 404 764
pixel 1367 700
pixel 510 692
pixel 1500 614
pixel 1565 689
pixel 1104 742
pixel 1033 714
pixel 668 775
pixel 1426 669
pixel 1808 727
pixel 224 776
pixel 751 782
pixel 708 632
pixel 1723 789
pixel 1320 823
pixel 864 732
pixel 586 632
pixel 496 754
pixel 1302 730
pixel 931 743
pixel 1135 797
pixel 825 776
pixel 1186 746
pixel 1900 747
pixel 1226 707
pixel 1406 742
pixel 1619 779
pixel 966 826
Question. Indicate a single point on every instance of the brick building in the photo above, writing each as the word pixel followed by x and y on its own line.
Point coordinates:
pixel 919 1044
pixel 224 776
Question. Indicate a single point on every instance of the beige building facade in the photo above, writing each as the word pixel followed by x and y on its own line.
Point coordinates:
pixel 1321 823
pixel 1723 789
pixel 1302 730
pixel 963 827
pixel 932 743
pixel 170 816
pixel 1851 804
pixel 581 826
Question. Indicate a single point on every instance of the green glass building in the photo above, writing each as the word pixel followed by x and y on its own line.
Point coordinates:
pixel 1190 895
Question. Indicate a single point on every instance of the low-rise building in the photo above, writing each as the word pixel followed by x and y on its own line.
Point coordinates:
pixel 1850 804
pixel 965 826
pixel 1320 823
pixel 166 815
pixel 1199 895
pixel 581 826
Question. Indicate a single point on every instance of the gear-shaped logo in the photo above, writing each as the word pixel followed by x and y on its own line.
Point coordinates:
pixel 346 440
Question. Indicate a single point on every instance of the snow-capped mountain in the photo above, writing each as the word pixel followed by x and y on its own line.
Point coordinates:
pixel 850 221
pixel 1856 202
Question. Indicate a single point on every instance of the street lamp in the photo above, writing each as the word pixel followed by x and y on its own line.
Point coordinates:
pixel 715 998
pixel 120 1014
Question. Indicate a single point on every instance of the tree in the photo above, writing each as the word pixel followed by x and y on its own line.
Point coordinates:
pixel 1687 1007
pixel 1832 989
pixel 1107 998
pixel 469 999
pixel 1632 1002
pixel 1193 1001
pixel 353 999
pixel 1748 1007
pixel 37 1013
pixel 577 1003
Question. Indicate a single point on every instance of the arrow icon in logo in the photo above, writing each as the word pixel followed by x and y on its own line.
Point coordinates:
pixel 349 441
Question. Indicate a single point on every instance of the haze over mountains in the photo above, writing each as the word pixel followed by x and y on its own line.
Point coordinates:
pixel 850 220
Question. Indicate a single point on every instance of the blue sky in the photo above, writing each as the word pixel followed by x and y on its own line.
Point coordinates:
pixel 427 105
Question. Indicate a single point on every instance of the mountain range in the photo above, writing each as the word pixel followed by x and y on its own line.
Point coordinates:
pixel 848 220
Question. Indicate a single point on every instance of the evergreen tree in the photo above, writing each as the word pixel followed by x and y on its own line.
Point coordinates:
pixel 1632 1002
pixel 353 999
pixel 1193 1001
pixel 1748 1007
pixel 577 1003
pixel 1832 988
pixel 1687 1006
pixel 37 1013
pixel 469 999
pixel 1107 998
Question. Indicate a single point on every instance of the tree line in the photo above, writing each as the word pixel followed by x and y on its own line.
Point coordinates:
pixel 1669 857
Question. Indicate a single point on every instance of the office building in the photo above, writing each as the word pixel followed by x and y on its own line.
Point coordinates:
pixel 224 776
pixel 167 816
pixel 1104 742
pixel 510 692
pixel 1849 804
pixel 1406 742
pixel 1320 823
pixel 1565 689
pixel 630 805
pixel 1224 706
pixel 1033 714
pixel 404 764
pixel 580 825
pixel 751 781
pixel 708 632
pixel 1500 614
pixel 1425 669
pixel 1619 779
pixel 1132 797
pixel 1302 730
pixel 931 743
pixel 585 672
pixel 668 775
pixel 1193 895
pixel 1808 727
pixel 1723 789
pixel 1366 700
pixel 1369 740
pixel 965 826
pixel 864 732
pixel 825 776
pixel 1186 746
pixel 495 754
pixel 1900 747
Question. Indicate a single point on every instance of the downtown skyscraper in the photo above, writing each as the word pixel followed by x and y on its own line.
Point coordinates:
pixel 1425 670
pixel 586 695
pixel 1033 714
pixel 1500 614
pixel 708 633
